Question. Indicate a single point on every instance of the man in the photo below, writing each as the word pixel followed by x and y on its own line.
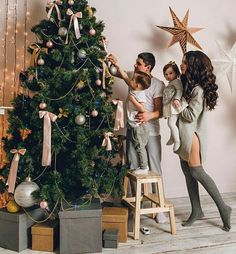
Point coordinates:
pixel 145 63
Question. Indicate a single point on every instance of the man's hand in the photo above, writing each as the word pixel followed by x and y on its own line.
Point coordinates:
pixel 143 117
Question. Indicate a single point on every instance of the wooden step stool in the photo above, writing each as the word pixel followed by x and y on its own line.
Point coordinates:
pixel 158 202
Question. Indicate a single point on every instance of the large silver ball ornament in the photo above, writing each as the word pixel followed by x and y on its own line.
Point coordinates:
pixel 80 119
pixel 23 193
pixel 62 31
pixel 113 70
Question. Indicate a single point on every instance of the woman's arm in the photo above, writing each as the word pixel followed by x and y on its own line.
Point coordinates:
pixel 138 105
pixel 195 105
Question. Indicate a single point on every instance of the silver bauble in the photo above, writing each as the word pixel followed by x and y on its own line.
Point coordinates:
pixel 62 31
pixel 23 193
pixel 113 70
pixel 81 53
pixel 80 119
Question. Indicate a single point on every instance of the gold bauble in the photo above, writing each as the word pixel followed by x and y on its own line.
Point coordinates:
pixel 90 11
pixel 12 206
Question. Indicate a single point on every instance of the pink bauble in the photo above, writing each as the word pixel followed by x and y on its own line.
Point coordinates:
pixel 71 2
pixel 59 2
pixel 92 31
pixel 43 204
pixel 42 105
pixel 49 44
pixel 41 61
pixel 98 82
pixel 94 113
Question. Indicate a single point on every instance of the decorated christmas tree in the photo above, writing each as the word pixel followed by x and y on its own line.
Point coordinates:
pixel 61 130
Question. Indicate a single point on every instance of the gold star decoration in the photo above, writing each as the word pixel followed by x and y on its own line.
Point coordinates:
pixel 181 32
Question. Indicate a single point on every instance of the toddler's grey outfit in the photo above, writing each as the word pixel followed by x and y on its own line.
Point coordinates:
pixel 139 132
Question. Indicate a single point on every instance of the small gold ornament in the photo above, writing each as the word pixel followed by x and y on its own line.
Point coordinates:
pixel 12 206
pixel 89 10
pixel 24 133
pixel 80 85
pixel 62 113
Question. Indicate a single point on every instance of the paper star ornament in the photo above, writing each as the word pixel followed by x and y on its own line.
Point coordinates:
pixel 227 65
pixel 181 32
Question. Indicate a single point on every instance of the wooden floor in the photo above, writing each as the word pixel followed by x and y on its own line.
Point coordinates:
pixel 205 236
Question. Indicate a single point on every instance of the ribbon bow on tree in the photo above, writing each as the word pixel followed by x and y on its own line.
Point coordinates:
pixel 74 17
pixel 119 119
pixel 36 51
pixel 13 169
pixel 107 141
pixel 48 117
pixel 52 6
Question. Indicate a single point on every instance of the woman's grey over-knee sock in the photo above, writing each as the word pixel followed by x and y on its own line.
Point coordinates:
pixel 207 182
pixel 193 191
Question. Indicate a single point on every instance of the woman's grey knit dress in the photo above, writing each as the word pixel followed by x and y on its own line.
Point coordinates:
pixel 192 120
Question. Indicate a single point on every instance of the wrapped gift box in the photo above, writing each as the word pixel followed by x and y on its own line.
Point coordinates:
pixel 45 236
pixel 15 228
pixel 116 218
pixel 110 238
pixel 81 229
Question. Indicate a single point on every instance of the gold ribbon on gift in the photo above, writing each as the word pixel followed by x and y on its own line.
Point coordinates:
pixel 13 169
pixel 121 149
pixel 48 117
pixel 107 141
pixel 74 17
pixel 119 118
pixel 36 51
pixel 52 6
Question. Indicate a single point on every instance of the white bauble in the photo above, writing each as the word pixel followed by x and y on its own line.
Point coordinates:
pixel 62 31
pixel 81 53
pixel 23 193
pixel 80 119
pixel 113 70
pixel 98 82
pixel 94 113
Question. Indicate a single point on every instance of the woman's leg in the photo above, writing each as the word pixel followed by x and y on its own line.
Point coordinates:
pixel 208 183
pixel 193 191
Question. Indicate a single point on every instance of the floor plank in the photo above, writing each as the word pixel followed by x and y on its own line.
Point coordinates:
pixel 205 236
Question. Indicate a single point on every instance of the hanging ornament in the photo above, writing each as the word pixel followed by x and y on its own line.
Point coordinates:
pixel 181 32
pixel 59 2
pixel 42 105
pixel 80 85
pixel 62 31
pixel 113 70
pixel 94 113
pixel 226 65
pixel 93 164
pixel 49 44
pixel 103 95
pixel 24 133
pixel 77 98
pixel 80 119
pixel 62 113
pixel 12 206
pixel 44 204
pixel 71 2
pixel 89 10
pixel 23 193
pixel 41 61
pixel 92 32
pixel 98 82
pixel 81 53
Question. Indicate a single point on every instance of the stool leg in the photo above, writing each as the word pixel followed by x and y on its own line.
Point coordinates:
pixel 172 220
pixel 137 211
pixel 126 183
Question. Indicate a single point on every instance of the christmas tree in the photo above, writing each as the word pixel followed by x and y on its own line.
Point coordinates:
pixel 61 131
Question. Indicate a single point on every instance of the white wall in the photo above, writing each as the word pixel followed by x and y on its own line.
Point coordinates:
pixel 130 28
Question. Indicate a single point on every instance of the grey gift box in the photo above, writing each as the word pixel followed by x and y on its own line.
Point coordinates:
pixel 110 238
pixel 15 228
pixel 81 229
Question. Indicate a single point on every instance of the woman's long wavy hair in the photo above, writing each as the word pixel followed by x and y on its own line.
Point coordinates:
pixel 200 72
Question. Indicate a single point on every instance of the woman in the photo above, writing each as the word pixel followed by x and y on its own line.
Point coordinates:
pixel 200 92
